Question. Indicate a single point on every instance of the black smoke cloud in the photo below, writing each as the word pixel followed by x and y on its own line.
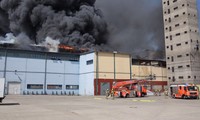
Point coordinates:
pixel 136 26
pixel 73 22
pixel 130 26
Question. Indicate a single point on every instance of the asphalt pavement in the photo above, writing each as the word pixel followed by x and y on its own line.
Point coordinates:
pixel 46 107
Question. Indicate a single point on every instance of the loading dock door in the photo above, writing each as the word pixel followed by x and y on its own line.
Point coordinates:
pixel 14 88
pixel 104 86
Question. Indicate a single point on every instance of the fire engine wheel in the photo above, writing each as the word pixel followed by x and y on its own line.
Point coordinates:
pixel 173 96
pixel 197 97
pixel 184 96
pixel 127 95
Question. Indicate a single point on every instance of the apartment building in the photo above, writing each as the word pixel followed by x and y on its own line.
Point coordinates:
pixel 181 41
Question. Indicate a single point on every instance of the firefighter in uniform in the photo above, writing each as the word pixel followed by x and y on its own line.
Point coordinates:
pixel 107 93
pixel 159 92
pixel 166 93
pixel 112 94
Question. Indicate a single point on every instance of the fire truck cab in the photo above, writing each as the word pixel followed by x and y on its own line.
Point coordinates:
pixel 184 91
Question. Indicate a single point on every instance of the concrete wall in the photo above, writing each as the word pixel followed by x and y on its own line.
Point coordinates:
pixel 110 64
pixel 181 40
pixel 144 72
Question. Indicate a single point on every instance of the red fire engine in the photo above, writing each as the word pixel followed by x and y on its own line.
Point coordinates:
pixel 130 88
pixel 184 91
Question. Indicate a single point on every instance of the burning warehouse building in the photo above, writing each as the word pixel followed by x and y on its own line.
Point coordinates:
pixel 51 44
pixel 36 72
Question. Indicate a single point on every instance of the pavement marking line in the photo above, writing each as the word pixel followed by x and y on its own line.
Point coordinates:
pixel 97 98
pixel 147 101
pixel 143 100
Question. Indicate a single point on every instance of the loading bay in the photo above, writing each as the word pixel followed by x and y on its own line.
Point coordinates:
pixel 38 107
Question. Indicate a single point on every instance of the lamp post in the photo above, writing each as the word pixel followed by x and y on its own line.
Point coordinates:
pixel 114 52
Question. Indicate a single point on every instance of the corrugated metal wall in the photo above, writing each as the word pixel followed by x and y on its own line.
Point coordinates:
pixel 40 73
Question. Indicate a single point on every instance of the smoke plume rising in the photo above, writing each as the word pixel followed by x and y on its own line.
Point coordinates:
pixel 131 26
pixel 73 22
pixel 136 26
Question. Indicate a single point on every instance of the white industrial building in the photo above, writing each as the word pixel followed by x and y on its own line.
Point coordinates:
pixel 34 72
pixel 29 72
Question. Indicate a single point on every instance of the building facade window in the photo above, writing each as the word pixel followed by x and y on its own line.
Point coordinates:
pixel 170 37
pixel 34 86
pixel 180 66
pixel 72 87
pixel 176 16
pixel 179 56
pixel 179 44
pixel 171 47
pixel 89 62
pixel 175 8
pixel 176 25
pixel 172 69
pixel 172 59
pixel 180 77
pixel 56 87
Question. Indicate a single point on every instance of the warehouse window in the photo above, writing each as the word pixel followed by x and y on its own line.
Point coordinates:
pixel 175 8
pixel 172 59
pixel 172 69
pixel 176 25
pixel 179 44
pixel 170 37
pixel 180 66
pixel 57 87
pixel 180 77
pixel 168 11
pixel 171 47
pixel 178 34
pixel 89 62
pixel 170 28
pixel 72 87
pixel 176 16
pixel 187 65
pixel 169 19
pixel 179 56
pixel 34 86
